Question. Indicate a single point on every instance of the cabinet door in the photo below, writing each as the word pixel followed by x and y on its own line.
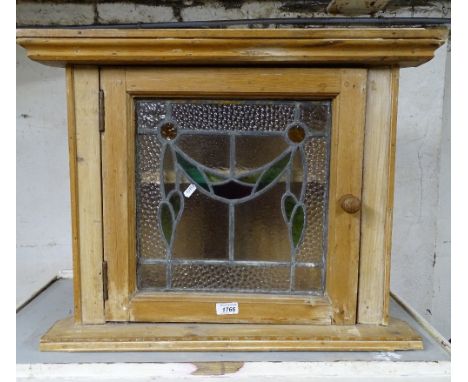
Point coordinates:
pixel 223 194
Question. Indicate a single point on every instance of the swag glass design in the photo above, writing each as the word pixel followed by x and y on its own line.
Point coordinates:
pixel 256 218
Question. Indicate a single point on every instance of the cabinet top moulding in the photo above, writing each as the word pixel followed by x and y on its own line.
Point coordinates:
pixel 364 47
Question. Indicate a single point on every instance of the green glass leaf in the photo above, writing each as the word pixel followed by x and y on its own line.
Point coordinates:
pixel 214 178
pixel 251 178
pixel 273 172
pixel 166 221
pixel 298 220
pixel 175 199
pixel 192 171
pixel 289 203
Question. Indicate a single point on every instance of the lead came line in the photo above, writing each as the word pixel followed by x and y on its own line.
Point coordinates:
pixel 232 166
pixel 254 263
pixel 274 291
pixel 232 228
pixel 258 133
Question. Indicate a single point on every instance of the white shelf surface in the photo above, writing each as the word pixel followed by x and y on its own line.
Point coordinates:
pixel 56 302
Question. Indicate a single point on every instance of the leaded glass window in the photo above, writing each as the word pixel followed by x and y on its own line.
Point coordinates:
pixel 232 195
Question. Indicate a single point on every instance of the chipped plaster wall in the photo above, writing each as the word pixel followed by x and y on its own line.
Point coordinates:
pixel 421 239
pixel 42 190
pixel 421 221
pixel 441 282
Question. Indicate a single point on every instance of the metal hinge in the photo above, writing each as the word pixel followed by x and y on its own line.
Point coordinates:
pixel 104 280
pixel 101 111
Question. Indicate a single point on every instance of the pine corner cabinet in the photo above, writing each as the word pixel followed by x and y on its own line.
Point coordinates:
pixel 231 190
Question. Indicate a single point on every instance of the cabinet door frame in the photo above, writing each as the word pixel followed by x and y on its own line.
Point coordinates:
pixel 347 90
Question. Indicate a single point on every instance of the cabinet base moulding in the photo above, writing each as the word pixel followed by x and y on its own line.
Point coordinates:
pixel 66 335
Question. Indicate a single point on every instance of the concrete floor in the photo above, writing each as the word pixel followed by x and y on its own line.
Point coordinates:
pixel 429 365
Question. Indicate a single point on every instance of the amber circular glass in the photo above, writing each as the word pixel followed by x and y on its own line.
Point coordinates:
pixel 296 134
pixel 169 131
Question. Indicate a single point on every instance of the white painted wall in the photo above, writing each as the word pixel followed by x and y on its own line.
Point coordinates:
pixel 43 202
pixel 421 227
pixel 421 231
pixel 441 286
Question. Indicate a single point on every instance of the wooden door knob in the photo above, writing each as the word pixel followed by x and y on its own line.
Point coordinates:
pixel 350 204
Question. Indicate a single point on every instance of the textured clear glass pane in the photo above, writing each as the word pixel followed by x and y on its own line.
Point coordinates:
pixel 148 152
pixel 316 115
pixel 241 220
pixel 152 276
pixel 151 243
pixel 203 230
pixel 256 151
pixel 261 233
pixel 312 248
pixel 231 277
pixel 149 114
pixel 233 115
pixel 308 279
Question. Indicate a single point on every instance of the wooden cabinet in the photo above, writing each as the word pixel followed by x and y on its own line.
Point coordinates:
pixel 232 189
pixel 267 88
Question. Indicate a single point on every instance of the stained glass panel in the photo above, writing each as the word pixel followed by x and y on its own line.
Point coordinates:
pixel 232 195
